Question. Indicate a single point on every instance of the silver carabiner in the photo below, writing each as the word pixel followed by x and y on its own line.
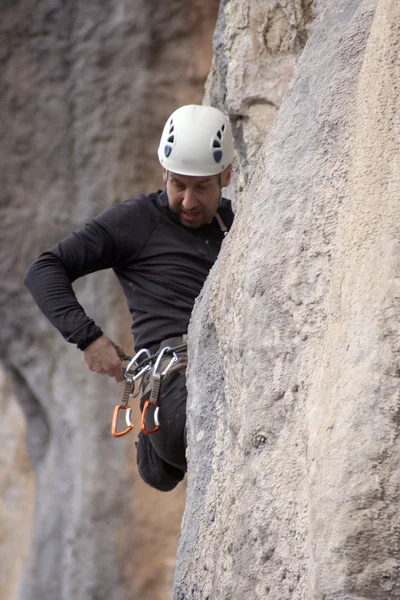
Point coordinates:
pixel 141 372
pixel 173 360
pixel 134 361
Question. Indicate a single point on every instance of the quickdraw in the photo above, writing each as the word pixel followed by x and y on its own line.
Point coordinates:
pixel 155 389
pixel 134 371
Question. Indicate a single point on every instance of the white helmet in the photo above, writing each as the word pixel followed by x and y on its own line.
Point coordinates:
pixel 197 140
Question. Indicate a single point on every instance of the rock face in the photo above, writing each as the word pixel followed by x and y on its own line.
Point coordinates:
pixel 17 491
pixel 293 416
pixel 257 45
pixel 86 89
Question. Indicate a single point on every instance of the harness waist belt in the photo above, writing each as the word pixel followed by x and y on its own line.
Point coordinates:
pixel 172 342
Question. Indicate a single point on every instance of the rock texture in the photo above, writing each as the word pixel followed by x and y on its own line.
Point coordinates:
pixel 257 45
pixel 17 491
pixel 293 416
pixel 85 91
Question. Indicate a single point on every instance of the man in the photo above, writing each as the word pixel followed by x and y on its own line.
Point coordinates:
pixel 161 248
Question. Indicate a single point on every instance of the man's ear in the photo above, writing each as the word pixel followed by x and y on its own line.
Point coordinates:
pixel 226 176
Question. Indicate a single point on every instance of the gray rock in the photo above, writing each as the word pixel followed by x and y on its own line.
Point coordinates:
pixel 293 414
pixel 86 88
pixel 257 45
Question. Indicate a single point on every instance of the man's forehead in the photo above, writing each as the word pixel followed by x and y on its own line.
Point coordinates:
pixel 196 178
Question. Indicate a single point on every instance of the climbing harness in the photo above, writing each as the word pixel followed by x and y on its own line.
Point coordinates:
pixel 150 370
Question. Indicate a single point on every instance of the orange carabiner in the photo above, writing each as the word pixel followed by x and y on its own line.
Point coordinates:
pixel 143 422
pixel 115 419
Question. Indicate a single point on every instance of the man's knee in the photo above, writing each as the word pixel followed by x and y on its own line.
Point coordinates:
pixel 154 470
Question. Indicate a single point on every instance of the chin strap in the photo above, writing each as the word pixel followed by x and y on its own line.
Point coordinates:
pixel 222 225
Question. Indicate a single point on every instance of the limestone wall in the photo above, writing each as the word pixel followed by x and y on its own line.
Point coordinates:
pixel 293 416
pixel 293 488
pixel 85 90
pixel 256 47
pixel 17 491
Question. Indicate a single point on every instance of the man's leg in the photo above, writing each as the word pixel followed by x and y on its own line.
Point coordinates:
pixel 169 440
pixel 154 470
pixel 161 456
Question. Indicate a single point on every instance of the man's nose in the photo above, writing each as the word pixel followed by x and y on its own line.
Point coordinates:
pixel 189 200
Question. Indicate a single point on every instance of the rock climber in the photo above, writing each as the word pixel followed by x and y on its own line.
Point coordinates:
pixel 161 247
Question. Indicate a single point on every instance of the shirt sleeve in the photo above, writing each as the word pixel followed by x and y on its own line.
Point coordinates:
pixel 101 244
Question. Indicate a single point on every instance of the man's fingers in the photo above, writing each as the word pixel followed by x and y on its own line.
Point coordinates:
pixel 104 357
pixel 115 370
pixel 119 375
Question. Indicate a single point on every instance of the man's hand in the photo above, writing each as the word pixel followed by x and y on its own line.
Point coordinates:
pixel 104 356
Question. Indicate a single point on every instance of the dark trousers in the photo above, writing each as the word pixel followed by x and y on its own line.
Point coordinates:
pixel 161 456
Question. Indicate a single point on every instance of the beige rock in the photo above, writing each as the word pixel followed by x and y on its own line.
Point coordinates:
pixel 16 492
pixel 293 416
pixel 86 88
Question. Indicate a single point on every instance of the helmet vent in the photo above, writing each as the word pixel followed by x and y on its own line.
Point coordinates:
pixel 170 139
pixel 217 154
pixel 217 143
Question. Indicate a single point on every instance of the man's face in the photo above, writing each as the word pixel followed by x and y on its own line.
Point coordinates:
pixel 194 199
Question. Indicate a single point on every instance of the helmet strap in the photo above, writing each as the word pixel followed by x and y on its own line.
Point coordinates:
pixel 222 225
pixel 220 189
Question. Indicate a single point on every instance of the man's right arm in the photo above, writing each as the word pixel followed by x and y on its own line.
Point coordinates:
pixel 50 278
pixel 115 235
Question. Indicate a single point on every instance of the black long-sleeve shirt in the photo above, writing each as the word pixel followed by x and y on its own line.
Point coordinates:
pixel 160 264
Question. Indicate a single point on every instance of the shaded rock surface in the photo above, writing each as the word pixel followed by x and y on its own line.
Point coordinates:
pixel 85 91
pixel 293 415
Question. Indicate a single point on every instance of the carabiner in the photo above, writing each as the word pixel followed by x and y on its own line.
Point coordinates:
pixel 140 373
pixel 134 361
pixel 143 422
pixel 129 423
pixel 173 360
